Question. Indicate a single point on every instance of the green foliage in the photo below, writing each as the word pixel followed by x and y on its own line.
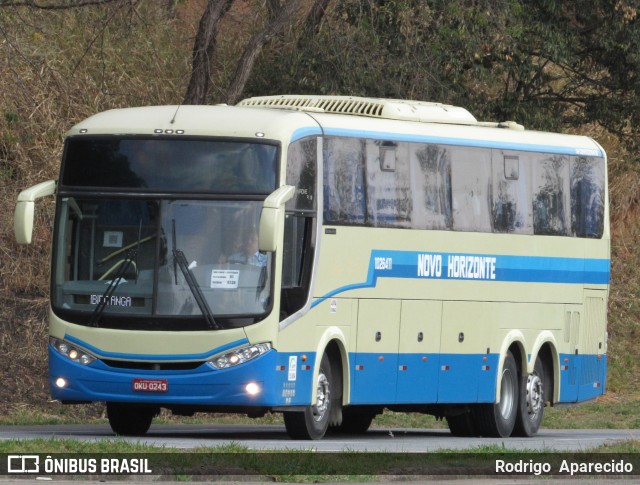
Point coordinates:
pixel 547 64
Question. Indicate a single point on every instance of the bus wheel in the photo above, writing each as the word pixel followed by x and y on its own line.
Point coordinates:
pixel 499 419
pixel 531 402
pixel 312 423
pixel 128 420
pixel 355 420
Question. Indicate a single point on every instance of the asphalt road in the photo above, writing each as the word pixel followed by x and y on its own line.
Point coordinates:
pixel 274 437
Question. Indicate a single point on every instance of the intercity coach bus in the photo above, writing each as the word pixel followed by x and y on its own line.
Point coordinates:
pixel 327 258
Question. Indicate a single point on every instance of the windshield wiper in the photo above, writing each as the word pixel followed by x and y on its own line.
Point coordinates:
pixel 178 257
pixel 111 288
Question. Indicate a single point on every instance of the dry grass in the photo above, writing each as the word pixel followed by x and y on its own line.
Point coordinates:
pixel 57 68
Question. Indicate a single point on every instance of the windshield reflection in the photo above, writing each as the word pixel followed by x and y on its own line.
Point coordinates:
pixel 119 257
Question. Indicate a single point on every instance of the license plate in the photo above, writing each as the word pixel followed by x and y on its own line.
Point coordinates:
pixel 150 385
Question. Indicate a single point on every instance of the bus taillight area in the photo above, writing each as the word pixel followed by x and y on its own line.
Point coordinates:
pixel 261 378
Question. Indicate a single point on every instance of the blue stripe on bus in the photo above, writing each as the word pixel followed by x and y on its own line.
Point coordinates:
pixel 305 132
pixel 429 378
pixel 478 267
pixel 154 357
pixel 445 140
pixel 376 378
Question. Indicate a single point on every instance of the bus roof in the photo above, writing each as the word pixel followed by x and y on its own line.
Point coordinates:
pixel 288 118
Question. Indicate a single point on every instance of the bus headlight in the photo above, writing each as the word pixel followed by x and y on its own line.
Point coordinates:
pixel 71 352
pixel 240 355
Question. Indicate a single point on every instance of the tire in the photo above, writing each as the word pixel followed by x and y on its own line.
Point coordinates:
pixel 130 420
pixel 531 402
pixel 312 423
pixel 355 420
pixel 499 419
pixel 461 425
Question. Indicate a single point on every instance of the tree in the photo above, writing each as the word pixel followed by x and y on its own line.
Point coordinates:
pixel 280 17
pixel 203 51
pixel 546 63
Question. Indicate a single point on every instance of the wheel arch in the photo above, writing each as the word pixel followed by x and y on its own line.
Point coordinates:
pixel 333 342
pixel 545 347
pixel 514 342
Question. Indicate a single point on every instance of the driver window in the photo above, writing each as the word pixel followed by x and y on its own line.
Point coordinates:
pixel 299 231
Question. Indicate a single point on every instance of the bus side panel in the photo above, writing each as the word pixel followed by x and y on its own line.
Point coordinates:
pixel 583 368
pixel 376 359
pixel 467 333
pixel 419 359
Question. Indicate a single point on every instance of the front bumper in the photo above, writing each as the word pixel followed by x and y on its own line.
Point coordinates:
pixel 203 386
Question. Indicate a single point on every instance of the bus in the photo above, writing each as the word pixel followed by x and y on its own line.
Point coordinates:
pixel 327 258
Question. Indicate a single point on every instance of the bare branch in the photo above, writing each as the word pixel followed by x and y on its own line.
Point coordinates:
pixel 314 19
pixel 203 49
pixel 254 48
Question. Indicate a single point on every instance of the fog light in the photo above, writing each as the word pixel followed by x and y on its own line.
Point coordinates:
pixel 252 388
pixel 61 382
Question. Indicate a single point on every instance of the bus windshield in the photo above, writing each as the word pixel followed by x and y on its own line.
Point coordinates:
pixel 160 264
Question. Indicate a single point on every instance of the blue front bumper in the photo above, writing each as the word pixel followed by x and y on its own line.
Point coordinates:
pixel 202 386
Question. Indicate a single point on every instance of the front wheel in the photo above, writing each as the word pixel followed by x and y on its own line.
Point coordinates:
pixel 130 420
pixel 499 419
pixel 312 423
pixel 531 402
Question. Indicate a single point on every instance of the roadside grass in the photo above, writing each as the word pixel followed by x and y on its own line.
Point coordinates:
pixel 234 461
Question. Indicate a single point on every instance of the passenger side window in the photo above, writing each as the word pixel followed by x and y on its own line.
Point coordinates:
pixel 344 180
pixel 471 187
pixel 431 175
pixel 550 180
pixel 587 197
pixel 511 193
pixel 389 201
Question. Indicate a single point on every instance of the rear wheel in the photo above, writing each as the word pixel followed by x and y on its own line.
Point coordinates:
pixel 312 423
pixel 130 420
pixel 531 402
pixel 499 419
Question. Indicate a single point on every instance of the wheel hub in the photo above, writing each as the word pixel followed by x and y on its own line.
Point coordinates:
pixel 322 400
pixel 507 394
pixel 534 394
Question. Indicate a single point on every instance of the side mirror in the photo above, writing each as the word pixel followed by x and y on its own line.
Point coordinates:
pixel 272 217
pixel 25 209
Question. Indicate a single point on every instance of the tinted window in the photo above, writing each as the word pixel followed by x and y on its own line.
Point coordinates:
pixel 550 178
pixel 344 181
pixel 587 197
pixel 301 173
pixel 170 165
